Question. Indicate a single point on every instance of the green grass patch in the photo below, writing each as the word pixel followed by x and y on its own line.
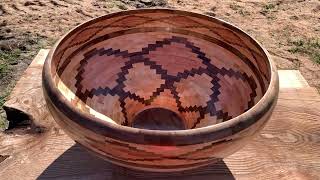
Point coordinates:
pixel 3 124
pixel 8 58
pixel 22 51
pixel 3 121
pixel 239 9
pixel 269 6
pixel 267 9
pixel 3 99
pixel 310 47
pixel 235 7
pixel 316 58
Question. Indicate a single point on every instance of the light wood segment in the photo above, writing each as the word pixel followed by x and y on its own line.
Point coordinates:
pixel 111 55
pixel 292 79
pixel 27 96
pixel 287 147
pixel 106 81
pixel 195 91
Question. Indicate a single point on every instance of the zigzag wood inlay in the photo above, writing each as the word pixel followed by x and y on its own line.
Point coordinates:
pixel 162 70
pixel 124 77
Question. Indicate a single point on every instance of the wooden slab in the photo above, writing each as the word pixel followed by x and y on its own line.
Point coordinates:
pixel 292 79
pixel 26 97
pixel 287 148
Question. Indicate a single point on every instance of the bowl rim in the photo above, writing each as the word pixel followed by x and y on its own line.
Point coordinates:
pixel 214 132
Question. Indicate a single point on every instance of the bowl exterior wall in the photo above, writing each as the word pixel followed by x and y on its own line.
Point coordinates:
pixel 164 151
pixel 156 158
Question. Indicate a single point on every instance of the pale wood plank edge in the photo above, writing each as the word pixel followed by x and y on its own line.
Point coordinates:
pixel 18 107
pixel 291 79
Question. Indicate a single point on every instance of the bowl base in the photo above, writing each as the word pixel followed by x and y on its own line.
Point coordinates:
pixel 158 119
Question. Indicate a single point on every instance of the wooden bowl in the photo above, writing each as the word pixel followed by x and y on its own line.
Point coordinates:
pixel 159 89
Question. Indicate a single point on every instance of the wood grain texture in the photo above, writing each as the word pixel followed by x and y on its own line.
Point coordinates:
pixel 100 73
pixel 287 148
pixel 292 79
pixel 194 57
pixel 26 98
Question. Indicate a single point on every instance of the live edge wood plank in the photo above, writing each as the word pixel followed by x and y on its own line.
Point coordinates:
pixel 287 148
pixel 26 100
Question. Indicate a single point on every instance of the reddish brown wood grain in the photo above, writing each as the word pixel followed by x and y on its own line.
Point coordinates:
pixel 287 148
pixel 207 65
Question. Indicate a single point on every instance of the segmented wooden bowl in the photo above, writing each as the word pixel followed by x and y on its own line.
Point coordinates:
pixel 158 89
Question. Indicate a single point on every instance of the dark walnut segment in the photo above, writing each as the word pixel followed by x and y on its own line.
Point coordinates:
pixel 162 70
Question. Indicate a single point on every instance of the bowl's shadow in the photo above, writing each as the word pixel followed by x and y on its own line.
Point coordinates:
pixel 77 163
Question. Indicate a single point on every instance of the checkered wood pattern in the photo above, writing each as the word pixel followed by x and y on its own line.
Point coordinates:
pixel 118 67
pixel 201 69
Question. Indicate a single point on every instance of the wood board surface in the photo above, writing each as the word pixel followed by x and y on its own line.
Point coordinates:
pixel 287 148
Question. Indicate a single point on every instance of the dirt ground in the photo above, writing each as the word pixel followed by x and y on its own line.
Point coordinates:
pixel 288 29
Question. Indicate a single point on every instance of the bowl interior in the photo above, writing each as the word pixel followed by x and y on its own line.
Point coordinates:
pixel 160 69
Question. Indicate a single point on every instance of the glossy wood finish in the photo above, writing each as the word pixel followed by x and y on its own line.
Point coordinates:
pixel 273 154
pixel 158 119
pixel 51 154
pixel 215 77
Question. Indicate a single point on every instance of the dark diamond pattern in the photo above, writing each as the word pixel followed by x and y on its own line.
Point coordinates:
pixel 138 57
